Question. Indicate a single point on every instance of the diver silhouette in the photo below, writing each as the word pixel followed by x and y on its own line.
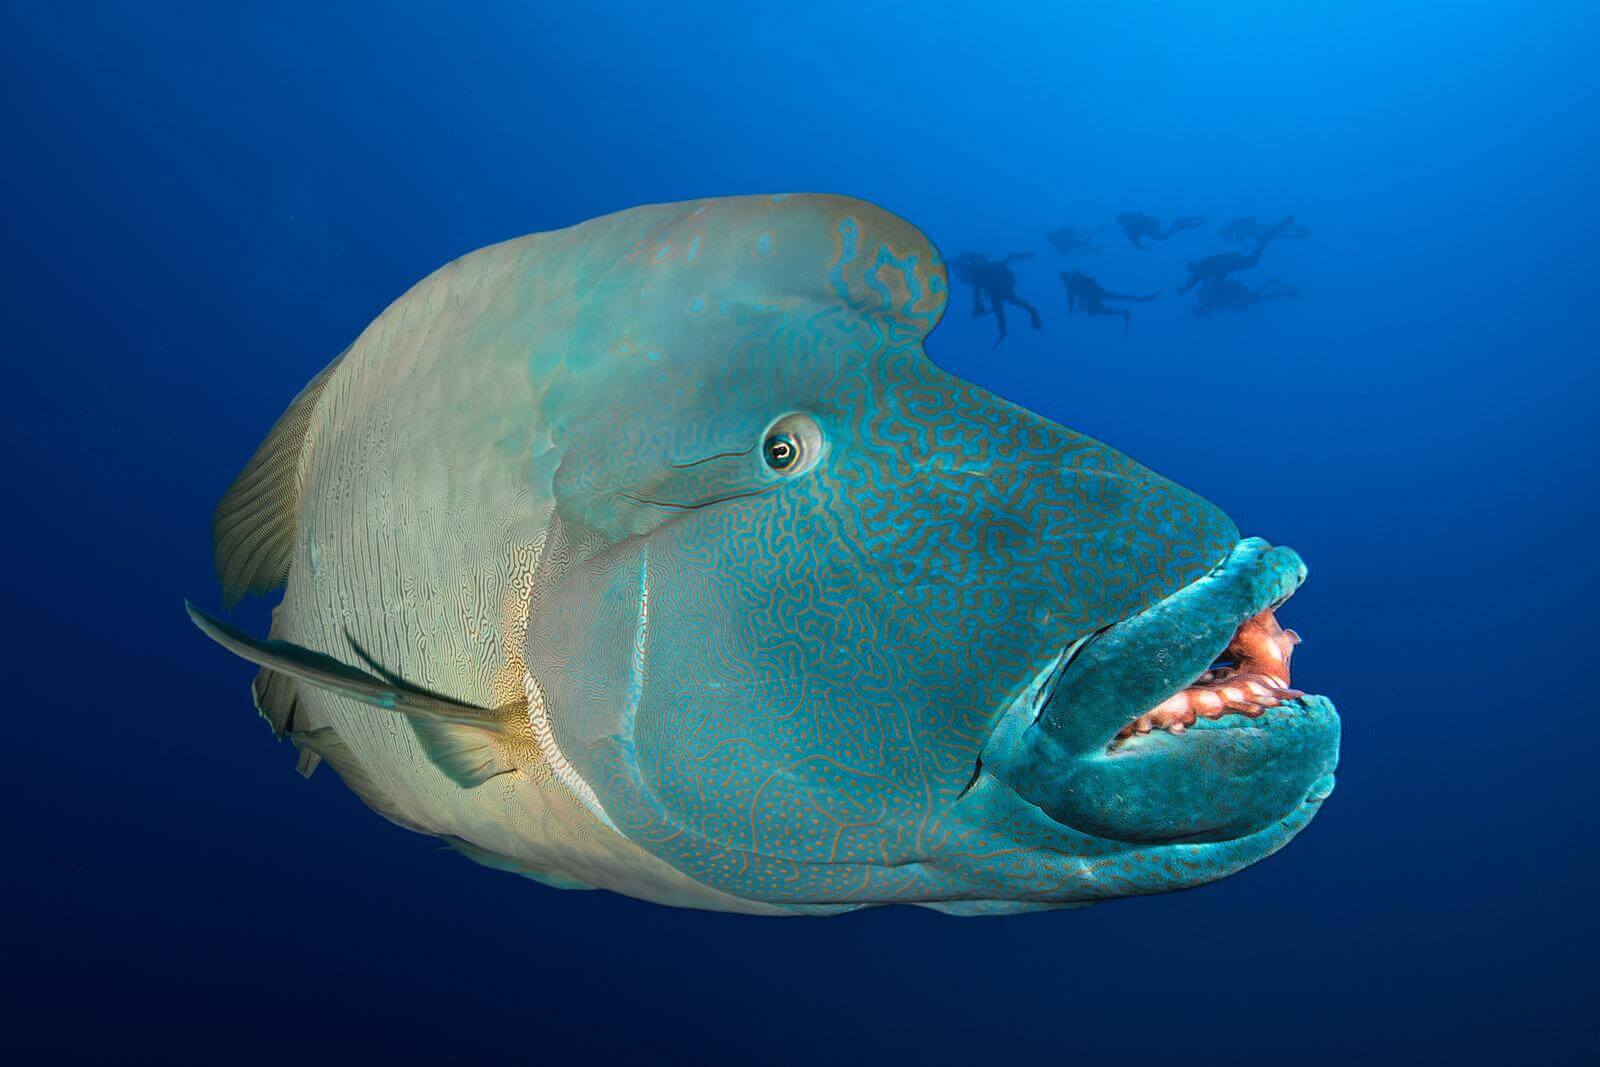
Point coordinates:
pixel 994 279
pixel 1083 291
pixel 1216 268
pixel 1247 229
pixel 1138 226
pixel 1070 239
pixel 1228 295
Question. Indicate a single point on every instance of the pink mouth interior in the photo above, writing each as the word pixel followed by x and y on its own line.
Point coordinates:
pixel 1255 679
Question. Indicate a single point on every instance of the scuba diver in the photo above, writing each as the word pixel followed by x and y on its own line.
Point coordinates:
pixel 1138 226
pixel 1069 239
pixel 1247 229
pixel 1226 295
pixel 1216 268
pixel 995 280
pixel 1084 291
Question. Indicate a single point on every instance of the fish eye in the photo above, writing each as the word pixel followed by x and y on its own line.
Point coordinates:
pixel 781 451
pixel 792 444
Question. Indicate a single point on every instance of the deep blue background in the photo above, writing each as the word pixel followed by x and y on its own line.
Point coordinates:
pixel 199 208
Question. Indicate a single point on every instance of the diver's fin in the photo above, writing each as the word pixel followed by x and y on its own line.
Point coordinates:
pixel 467 742
pixel 252 530
pixel 324 744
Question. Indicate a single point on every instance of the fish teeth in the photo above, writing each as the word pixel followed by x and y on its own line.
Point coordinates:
pixel 1257 680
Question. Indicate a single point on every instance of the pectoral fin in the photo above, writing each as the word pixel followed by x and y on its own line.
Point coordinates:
pixel 253 528
pixel 470 744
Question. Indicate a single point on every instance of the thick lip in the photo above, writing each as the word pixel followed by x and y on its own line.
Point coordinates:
pixel 1056 745
pixel 1094 689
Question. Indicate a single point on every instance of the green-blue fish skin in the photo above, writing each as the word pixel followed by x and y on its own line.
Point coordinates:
pixel 894 671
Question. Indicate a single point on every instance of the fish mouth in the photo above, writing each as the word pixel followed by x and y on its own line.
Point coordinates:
pixel 1248 679
pixel 1178 723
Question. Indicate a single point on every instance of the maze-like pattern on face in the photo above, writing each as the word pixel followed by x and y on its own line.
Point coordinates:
pixel 780 681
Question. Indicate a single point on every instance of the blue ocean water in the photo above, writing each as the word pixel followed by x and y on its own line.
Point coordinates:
pixel 203 203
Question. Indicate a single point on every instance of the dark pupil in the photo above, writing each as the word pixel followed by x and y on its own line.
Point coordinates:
pixel 780 452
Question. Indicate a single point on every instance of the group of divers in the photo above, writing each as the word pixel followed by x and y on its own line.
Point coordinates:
pixel 994 284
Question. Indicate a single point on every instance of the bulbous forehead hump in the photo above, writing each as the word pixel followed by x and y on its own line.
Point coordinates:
pixel 777 253
pixel 686 307
pixel 792 248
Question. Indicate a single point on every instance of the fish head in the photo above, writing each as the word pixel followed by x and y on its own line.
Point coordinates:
pixel 822 625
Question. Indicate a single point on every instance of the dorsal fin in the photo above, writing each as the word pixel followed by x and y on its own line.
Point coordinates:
pixel 253 527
